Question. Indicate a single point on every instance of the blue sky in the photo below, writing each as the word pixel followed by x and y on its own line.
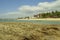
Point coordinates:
pixel 9 6
pixel 12 5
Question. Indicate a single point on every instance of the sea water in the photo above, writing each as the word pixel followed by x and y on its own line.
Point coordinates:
pixel 32 21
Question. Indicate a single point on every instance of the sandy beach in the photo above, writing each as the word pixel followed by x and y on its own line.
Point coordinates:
pixel 28 31
pixel 52 19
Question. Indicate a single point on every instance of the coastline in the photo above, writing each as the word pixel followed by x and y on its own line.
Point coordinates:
pixel 52 19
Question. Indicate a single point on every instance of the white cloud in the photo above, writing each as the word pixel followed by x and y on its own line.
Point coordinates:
pixel 27 10
pixel 41 7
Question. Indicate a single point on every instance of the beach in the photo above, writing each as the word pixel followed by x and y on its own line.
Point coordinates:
pixel 29 31
pixel 52 19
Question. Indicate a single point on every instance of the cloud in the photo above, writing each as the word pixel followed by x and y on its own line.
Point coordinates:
pixel 27 10
pixel 41 7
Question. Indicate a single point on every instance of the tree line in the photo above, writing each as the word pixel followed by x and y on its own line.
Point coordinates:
pixel 52 14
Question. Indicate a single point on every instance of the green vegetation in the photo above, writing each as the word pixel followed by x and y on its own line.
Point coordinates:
pixel 52 14
pixel 29 31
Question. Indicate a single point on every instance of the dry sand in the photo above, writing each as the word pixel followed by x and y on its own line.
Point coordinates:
pixel 53 19
pixel 29 31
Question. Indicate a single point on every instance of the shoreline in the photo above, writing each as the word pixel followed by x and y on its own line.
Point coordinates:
pixel 56 19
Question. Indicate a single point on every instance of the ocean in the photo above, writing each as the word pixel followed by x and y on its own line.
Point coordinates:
pixel 32 21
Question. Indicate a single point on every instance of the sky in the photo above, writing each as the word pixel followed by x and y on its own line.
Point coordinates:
pixel 22 8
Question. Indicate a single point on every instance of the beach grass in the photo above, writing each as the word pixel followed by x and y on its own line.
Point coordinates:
pixel 29 31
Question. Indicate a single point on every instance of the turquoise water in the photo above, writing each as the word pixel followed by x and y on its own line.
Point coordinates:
pixel 33 21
